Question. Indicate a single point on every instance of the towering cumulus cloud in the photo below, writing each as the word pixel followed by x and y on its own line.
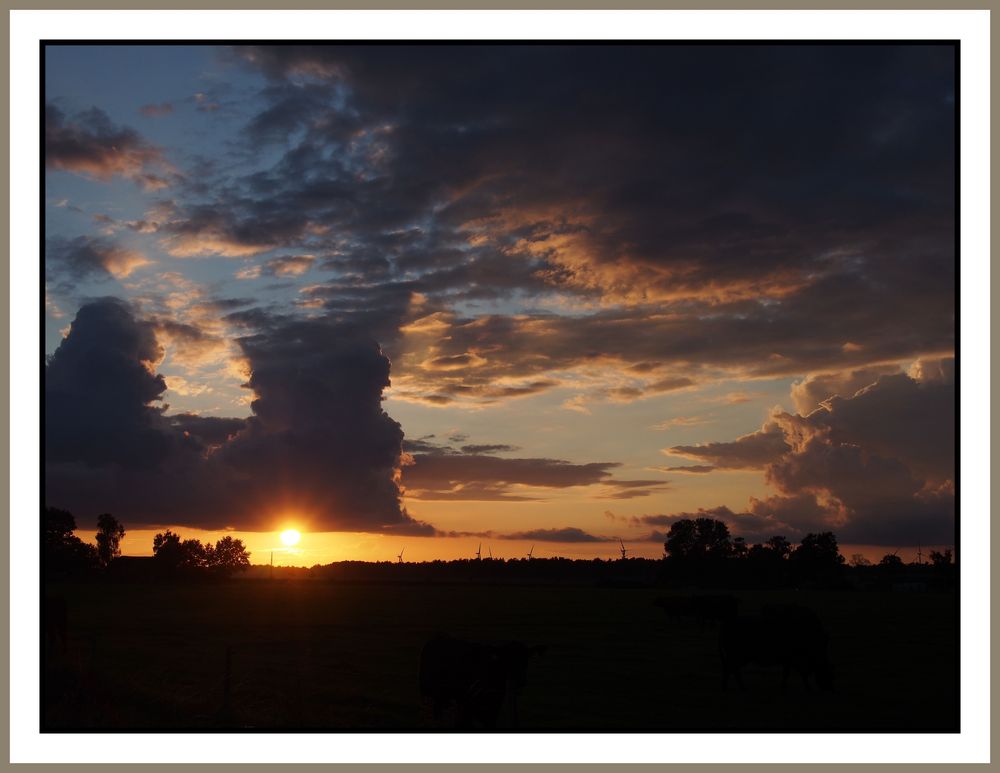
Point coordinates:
pixel 99 386
pixel 877 466
pixel 319 442
pixel 318 446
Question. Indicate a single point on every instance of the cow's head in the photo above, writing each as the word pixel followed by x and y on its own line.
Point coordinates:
pixel 515 656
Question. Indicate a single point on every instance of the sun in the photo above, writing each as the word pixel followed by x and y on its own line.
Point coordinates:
pixel 290 537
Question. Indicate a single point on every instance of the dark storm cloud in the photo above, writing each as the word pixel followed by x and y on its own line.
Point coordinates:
pixel 210 431
pixel 659 216
pixel 838 322
pixel 876 468
pixel 90 144
pixel 318 443
pixel 99 387
pixel 795 243
pixel 841 145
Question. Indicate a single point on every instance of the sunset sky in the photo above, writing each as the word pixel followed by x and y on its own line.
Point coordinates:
pixel 429 297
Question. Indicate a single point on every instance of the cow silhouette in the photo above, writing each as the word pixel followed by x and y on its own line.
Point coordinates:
pixel 474 678
pixel 788 636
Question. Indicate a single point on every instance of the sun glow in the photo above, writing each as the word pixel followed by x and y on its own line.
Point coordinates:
pixel 290 537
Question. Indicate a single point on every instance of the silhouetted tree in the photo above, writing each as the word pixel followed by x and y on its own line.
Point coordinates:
pixel 942 566
pixel 191 556
pixel 766 565
pixel 697 551
pixel 859 560
pixel 817 560
pixel 64 554
pixel 57 526
pixel 173 553
pixel 681 539
pixel 891 561
pixel 780 545
pixel 228 555
pixel 700 538
pixel 109 536
pixel 740 549
pixel 940 559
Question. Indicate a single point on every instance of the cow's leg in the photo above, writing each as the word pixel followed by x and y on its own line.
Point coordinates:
pixel 738 670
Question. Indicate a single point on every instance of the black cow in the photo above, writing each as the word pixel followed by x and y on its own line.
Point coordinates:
pixel 788 636
pixel 714 608
pixel 475 678
pixel 674 607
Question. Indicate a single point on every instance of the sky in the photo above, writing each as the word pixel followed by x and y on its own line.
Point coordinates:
pixel 427 298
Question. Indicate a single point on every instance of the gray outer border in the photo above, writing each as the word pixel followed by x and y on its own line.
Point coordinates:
pixel 439 5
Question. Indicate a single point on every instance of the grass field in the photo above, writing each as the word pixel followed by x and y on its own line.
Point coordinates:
pixel 313 655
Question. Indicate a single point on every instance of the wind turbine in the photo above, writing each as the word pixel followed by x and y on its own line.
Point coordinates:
pixel 624 549
pixel 399 558
pixel 479 552
pixel 490 550
pixel 530 552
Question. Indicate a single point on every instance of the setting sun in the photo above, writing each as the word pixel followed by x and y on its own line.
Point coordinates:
pixel 290 537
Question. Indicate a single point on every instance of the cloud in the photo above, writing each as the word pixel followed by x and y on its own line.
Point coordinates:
pixel 85 256
pixel 877 467
pixel 631 489
pixel 318 443
pixel 488 448
pixel 683 421
pixel 289 265
pixel 91 145
pixel 156 111
pixel 809 393
pixel 749 452
pixel 485 477
pixel 690 469
pixel 99 390
pixel 459 229
pixel 211 431
pixel 442 472
pixel 566 534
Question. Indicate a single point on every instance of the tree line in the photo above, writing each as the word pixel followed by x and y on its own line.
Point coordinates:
pixel 701 551
pixel 64 554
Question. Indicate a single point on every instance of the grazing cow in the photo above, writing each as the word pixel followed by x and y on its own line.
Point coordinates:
pixel 704 609
pixel 674 607
pixel 788 636
pixel 714 608
pixel 475 678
